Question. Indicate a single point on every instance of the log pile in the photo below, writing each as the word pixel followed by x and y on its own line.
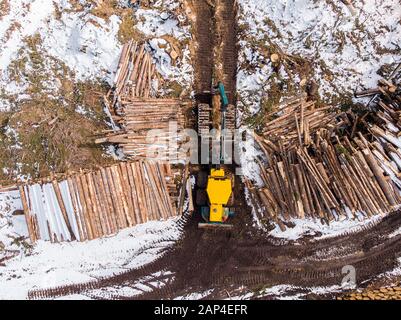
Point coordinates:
pixel 95 204
pixel 135 73
pixel 311 169
pixel 138 117
pixel 136 111
pixel 327 180
pixel 295 122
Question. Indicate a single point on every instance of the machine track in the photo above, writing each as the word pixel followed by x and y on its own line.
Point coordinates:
pixel 204 58
pixel 248 259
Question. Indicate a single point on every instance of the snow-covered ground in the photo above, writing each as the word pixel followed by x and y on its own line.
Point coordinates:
pixel 342 51
pixel 12 227
pixel 88 45
pixel 317 230
pixel 287 292
pixel 50 265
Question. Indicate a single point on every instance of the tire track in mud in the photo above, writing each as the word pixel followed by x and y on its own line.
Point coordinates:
pixel 203 260
pixel 226 48
pixel 204 58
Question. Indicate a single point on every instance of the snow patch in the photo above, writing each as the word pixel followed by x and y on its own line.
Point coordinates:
pixel 52 265
pixel 310 227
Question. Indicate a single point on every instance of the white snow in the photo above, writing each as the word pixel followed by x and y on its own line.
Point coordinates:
pixel 51 265
pixel 281 292
pixel 349 46
pixel 195 295
pixel 11 227
pixel 88 45
pixel 160 26
pixel 310 227
pixel 395 233
pixel 288 292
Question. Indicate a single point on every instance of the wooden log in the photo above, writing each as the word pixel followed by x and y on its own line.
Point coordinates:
pixel 138 205
pixel 27 213
pixel 127 191
pixel 119 214
pixel 184 190
pixel 379 176
pixel 86 205
pixel 102 200
pixel 138 59
pixel 371 178
pixel 77 212
pixel 94 206
pixel 120 190
pixel 117 197
pixel 172 210
pixel 112 210
pixel 61 204
pixel 301 189
pixel 156 191
pixel 142 190
pixel 133 194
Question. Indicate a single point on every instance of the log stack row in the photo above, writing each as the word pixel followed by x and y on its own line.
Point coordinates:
pixel 151 128
pixel 317 165
pixel 327 180
pixel 91 205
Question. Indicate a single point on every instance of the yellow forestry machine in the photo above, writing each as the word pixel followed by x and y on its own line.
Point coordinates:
pixel 215 184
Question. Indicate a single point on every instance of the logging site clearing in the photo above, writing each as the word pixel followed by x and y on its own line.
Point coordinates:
pixel 196 149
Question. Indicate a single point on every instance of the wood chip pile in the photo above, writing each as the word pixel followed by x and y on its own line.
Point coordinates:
pixel 314 168
pixel 91 205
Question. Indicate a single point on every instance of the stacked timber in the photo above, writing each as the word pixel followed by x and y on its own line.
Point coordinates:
pixel 135 73
pixel 151 128
pixel 143 126
pixel 91 205
pixel 311 169
pixel 327 180
pixel 295 122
